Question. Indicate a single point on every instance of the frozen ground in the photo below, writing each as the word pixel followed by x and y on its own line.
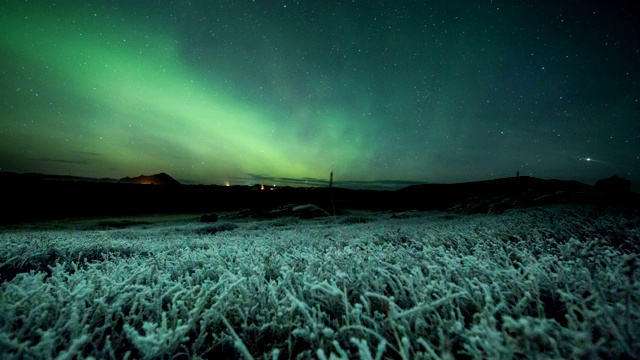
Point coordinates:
pixel 553 282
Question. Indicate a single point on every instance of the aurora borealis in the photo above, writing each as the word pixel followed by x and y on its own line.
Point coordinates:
pixel 384 92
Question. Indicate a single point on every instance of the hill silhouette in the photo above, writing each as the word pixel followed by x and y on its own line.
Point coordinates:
pixel 40 197
pixel 157 179
pixel 499 195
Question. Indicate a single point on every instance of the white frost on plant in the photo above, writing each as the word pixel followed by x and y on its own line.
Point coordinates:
pixel 545 282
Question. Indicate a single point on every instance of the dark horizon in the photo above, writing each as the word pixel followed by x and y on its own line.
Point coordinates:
pixel 379 185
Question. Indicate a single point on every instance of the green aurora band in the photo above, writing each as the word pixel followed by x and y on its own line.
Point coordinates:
pixel 123 94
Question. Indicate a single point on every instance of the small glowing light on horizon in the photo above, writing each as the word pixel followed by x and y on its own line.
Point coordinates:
pixel 227 184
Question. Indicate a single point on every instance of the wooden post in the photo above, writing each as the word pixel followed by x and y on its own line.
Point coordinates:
pixel 331 194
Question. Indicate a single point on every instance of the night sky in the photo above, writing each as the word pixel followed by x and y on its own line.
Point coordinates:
pixel 382 93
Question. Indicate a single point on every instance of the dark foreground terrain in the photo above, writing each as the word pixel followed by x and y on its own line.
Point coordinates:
pixel 27 197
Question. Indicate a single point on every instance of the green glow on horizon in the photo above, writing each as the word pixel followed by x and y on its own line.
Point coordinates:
pixel 147 111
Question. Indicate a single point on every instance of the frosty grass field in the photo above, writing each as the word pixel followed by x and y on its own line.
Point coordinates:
pixel 553 282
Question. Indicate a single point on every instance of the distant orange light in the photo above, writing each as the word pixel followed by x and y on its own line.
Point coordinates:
pixel 227 183
pixel 261 187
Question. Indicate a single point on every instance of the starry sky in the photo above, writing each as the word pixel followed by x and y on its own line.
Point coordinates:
pixel 382 93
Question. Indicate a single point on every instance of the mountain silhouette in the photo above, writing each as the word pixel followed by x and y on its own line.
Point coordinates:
pixel 44 197
pixel 157 179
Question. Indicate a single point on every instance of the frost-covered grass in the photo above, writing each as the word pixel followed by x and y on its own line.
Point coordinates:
pixel 556 282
